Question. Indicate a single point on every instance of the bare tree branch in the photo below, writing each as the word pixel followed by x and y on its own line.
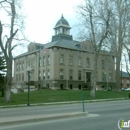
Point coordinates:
pixel 127 48
pixel 127 67
pixel 1 43
pixel 6 43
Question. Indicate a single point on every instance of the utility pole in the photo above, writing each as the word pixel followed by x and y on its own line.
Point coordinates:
pixel 121 76
pixel 39 69
pixel 83 99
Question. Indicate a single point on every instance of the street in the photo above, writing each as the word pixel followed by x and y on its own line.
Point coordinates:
pixel 102 115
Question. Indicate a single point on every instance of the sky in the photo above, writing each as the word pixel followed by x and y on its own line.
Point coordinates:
pixel 42 15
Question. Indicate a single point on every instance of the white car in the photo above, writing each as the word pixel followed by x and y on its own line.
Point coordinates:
pixel 127 89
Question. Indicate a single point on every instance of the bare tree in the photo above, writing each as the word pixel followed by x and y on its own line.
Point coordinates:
pixel 120 32
pixel 10 27
pixel 127 60
pixel 96 29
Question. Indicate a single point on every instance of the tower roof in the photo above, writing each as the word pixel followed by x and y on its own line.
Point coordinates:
pixel 62 21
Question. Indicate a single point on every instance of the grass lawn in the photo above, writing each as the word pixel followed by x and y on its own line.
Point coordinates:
pixel 45 96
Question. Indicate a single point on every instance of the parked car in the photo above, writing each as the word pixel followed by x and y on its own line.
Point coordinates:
pixel 127 89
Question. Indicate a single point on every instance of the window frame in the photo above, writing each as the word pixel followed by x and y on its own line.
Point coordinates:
pixel 61 74
pixel 61 58
pixel 71 74
pixel 71 60
pixel 79 75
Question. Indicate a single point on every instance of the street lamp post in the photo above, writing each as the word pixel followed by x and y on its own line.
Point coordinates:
pixel 121 76
pixel 28 87
pixel 83 100
pixel 29 69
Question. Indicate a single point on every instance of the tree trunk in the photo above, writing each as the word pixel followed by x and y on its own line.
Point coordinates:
pixel 8 94
pixel 92 94
pixel 118 75
pixel 8 81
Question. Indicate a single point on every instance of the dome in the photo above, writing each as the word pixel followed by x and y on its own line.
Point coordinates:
pixel 62 21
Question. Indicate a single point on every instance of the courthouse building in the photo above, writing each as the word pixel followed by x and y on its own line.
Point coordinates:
pixel 63 62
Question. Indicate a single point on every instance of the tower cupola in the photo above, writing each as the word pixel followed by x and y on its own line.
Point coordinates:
pixel 62 27
pixel 62 30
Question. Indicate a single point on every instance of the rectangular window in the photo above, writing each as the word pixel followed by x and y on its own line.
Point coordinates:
pixel 44 74
pixel 19 77
pixel 17 67
pixel 48 74
pixel 23 66
pixel 70 60
pixel 40 61
pixel 22 77
pixel 44 61
pixel 110 77
pixel 110 65
pixel 20 68
pixel 71 74
pixel 88 63
pixel 79 75
pixel 103 77
pixel 61 59
pixel 79 61
pixel 61 73
pixel 16 78
pixel 103 64
pixel 39 75
pixel 85 47
pixel 128 81
pixel 49 60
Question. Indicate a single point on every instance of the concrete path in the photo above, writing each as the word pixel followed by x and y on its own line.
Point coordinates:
pixel 36 118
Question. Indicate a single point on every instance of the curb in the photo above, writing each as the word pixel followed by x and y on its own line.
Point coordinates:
pixel 32 119
pixel 60 103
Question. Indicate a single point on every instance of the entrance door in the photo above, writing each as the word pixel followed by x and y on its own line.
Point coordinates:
pixel 88 77
pixel 71 86
pixel 61 86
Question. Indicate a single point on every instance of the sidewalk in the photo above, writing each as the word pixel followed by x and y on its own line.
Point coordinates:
pixel 36 118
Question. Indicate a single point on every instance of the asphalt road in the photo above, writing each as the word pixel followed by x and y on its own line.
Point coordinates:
pixel 102 116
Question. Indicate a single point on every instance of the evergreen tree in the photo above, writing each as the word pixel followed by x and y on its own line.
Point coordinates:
pixel 2 73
